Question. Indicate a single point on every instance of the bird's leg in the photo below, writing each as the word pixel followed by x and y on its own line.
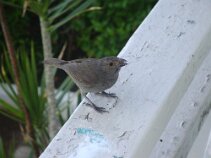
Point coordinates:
pixel 112 95
pixel 98 109
pixel 91 104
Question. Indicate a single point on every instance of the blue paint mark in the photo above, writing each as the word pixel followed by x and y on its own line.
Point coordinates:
pixel 95 137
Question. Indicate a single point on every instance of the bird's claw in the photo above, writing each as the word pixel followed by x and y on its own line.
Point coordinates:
pixel 100 109
pixel 113 95
pixel 97 108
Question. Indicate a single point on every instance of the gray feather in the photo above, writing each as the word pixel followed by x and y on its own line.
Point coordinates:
pixel 55 62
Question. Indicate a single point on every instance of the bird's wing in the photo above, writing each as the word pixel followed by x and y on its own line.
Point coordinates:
pixel 84 72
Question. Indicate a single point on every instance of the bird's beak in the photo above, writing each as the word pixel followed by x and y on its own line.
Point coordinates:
pixel 123 62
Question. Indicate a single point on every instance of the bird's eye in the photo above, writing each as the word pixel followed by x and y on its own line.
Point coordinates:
pixel 111 64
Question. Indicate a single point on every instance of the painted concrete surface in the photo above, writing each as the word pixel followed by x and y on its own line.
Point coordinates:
pixel 185 124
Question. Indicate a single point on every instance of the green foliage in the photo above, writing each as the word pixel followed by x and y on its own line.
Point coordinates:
pixel 105 32
pixel 33 97
pixel 99 33
pixel 33 94
pixel 65 11
pixel 64 106
pixel 2 150
pixel 22 29
pixel 17 24
pixel 57 13
pixel 6 153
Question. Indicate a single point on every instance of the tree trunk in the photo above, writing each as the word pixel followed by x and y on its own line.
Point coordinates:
pixel 49 79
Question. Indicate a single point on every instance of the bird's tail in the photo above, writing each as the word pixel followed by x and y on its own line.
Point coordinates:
pixel 55 62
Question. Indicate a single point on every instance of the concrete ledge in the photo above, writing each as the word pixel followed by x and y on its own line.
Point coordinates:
pixel 187 120
pixel 202 144
pixel 165 54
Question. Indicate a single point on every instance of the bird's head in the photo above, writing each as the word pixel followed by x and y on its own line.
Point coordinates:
pixel 113 64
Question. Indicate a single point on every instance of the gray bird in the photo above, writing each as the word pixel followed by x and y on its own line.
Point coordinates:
pixel 91 75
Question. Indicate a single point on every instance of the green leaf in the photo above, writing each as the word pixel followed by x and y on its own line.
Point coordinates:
pixel 38 8
pixel 11 4
pixel 76 12
pixel 33 97
pixel 11 111
pixel 61 6
pixel 9 90
pixel 61 9
pixel 64 89
pixel 2 149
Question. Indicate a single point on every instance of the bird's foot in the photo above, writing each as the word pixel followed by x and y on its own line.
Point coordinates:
pixel 97 108
pixel 113 95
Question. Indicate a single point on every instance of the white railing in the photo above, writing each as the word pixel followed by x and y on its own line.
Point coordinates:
pixel 164 93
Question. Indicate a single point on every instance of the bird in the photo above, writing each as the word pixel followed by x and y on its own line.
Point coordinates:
pixel 91 75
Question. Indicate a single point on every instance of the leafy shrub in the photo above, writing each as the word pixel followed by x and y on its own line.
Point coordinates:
pixel 105 32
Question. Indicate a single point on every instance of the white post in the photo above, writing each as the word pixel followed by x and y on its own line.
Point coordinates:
pixel 168 73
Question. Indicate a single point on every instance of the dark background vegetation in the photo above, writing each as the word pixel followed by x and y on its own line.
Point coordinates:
pixel 93 34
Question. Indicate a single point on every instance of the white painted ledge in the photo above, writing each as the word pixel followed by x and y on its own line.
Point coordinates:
pixel 164 92
pixel 201 147
pixel 187 120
